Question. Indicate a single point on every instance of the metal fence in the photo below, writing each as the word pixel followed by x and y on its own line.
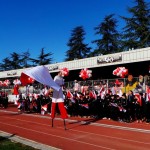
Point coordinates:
pixel 136 84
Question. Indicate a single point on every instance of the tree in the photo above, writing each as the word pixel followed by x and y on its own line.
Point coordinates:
pixel 43 59
pixel 77 48
pixel 12 62
pixel 110 37
pixel 25 59
pixel 15 60
pixel 5 65
pixel 136 33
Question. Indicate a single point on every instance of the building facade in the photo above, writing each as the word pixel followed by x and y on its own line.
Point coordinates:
pixel 137 61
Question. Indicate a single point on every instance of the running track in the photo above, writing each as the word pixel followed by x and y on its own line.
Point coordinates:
pixel 87 134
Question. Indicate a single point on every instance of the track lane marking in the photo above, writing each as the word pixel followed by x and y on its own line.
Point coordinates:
pixel 39 132
pixel 88 133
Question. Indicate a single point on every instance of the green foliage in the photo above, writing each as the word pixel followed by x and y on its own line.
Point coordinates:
pixel 109 41
pixel 136 33
pixel 42 59
pixel 18 61
pixel 77 48
pixel 25 59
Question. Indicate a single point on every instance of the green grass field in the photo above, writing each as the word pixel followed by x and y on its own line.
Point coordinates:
pixel 7 144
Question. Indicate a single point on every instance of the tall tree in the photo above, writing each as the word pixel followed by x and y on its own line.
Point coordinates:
pixel 43 58
pixel 15 60
pixel 77 48
pixel 26 59
pixel 5 65
pixel 109 41
pixel 136 33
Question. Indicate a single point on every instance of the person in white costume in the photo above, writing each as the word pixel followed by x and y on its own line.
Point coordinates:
pixel 58 95
pixel 58 98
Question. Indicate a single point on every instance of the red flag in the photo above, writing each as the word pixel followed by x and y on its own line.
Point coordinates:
pixel 85 106
pixel 25 79
pixel 44 107
pixel 148 95
pixel 92 94
pixel 138 97
pixel 69 95
pixel 19 105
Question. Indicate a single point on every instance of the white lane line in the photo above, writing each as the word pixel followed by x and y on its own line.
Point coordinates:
pixel 121 127
pixel 88 133
pixel 48 134
pixel 95 124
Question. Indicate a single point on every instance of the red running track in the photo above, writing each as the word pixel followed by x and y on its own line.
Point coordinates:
pixel 81 134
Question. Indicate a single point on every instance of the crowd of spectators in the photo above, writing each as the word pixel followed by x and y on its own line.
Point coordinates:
pixel 102 101
pixel 3 99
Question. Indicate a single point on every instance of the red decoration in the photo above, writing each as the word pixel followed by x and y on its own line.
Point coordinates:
pixel 6 83
pixel 85 73
pixel 16 82
pixel 1 83
pixel 65 71
pixel 121 72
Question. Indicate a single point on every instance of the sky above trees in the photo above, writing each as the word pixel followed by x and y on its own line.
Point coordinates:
pixel 35 24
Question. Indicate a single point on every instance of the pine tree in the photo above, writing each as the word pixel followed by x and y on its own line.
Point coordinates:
pixel 42 59
pixel 136 33
pixel 110 37
pixel 77 48
pixel 25 59
pixel 15 60
pixel 5 64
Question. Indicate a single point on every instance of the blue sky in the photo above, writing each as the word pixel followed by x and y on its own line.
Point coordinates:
pixel 34 24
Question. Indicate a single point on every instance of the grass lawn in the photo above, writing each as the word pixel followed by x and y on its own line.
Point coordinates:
pixel 7 144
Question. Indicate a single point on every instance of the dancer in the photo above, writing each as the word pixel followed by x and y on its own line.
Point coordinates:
pixel 58 99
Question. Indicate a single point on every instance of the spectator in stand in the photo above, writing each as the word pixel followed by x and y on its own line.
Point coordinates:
pixel 77 87
pixel 20 101
pixel 131 105
pixel 27 104
pixel 147 113
pixel 39 101
pixel 34 104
